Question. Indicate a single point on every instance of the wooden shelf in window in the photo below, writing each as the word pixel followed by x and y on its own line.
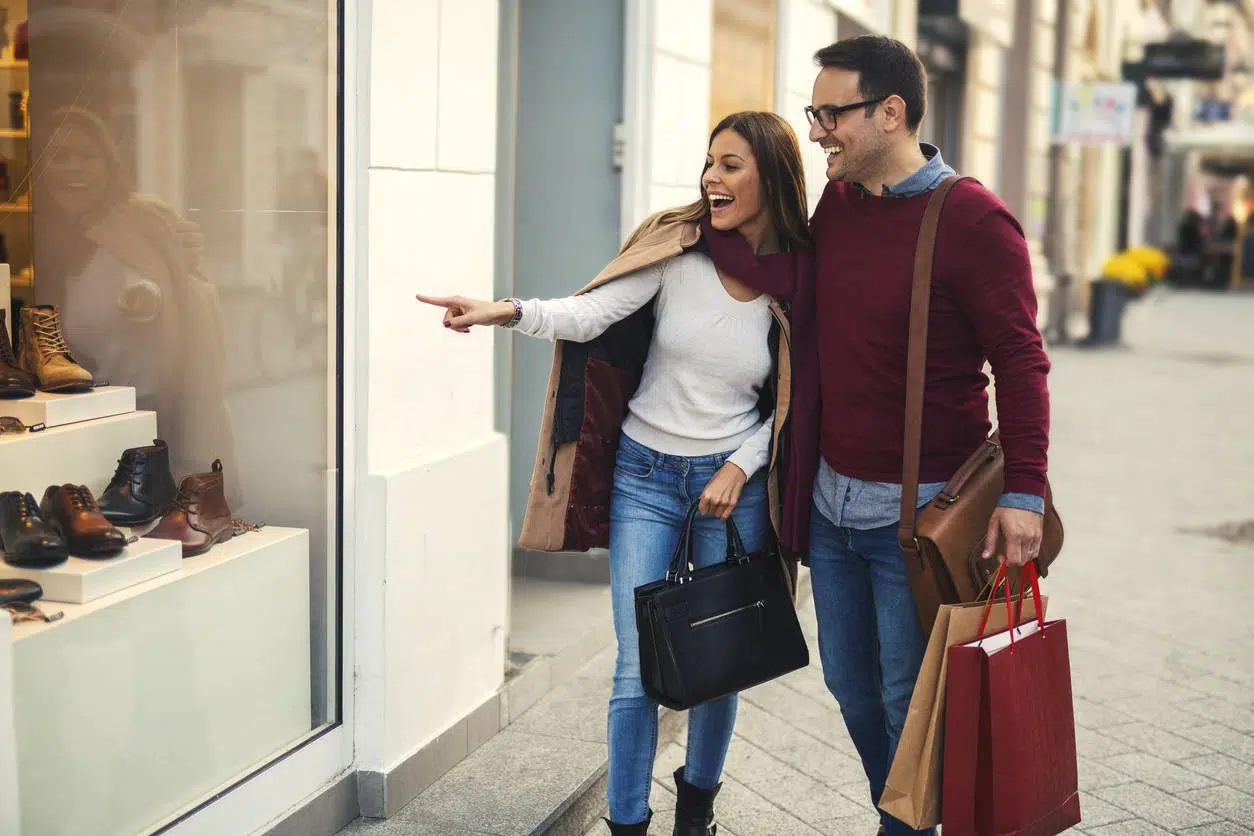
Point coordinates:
pixel 5 208
pixel 10 133
pixel 11 64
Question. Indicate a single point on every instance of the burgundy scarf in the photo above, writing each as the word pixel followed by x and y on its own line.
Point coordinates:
pixel 790 278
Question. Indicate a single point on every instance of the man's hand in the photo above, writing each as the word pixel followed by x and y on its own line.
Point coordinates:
pixel 723 492
pixel 1014 535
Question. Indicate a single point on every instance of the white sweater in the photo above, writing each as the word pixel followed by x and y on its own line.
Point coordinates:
pixel 707 363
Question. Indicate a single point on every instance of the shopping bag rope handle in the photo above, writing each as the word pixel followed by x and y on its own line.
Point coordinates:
pixel 1026 575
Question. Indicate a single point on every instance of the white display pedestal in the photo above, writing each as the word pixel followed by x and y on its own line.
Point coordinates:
pixel 55 410
pixel 80 580
pixel 80 454
pixel 10 812
pixel 137 704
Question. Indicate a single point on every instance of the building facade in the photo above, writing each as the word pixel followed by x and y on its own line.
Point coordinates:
pixel 309 166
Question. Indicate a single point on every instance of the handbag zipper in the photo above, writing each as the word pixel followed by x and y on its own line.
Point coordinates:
pixel 704 621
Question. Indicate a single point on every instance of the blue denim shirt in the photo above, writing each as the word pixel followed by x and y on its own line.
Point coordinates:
pixel 858 503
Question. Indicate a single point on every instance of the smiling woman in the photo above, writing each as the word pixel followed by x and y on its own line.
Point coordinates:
pixel 674 384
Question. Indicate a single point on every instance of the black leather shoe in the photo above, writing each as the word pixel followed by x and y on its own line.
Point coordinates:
pixel 694 808
pixel 142 488
pixel 26 539
pixel 638 829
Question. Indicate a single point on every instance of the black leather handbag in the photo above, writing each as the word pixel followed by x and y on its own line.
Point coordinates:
pixel 710 632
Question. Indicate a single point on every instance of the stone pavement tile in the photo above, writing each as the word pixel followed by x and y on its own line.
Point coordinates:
pixel 508 786
pixel 1094 715
pixel 1223 828
pixel 819 719
pixel 748 814
pixel 804 752
pixel 1164 715
pixel 1096 776
pixel 669 758
pixel 1134 827
pixel 1233 805
pixel 1094 812
pixel 1156 741
pixel 392 827
pixel 809 683
pixel 575 710
pixel 1237 693
pixel 1158 773
pixel 1098 745
pixel 1223 712
pixel 1223 739
pixel 808 800
pixel 1224 769
pixel 864 825
pixel 1156 806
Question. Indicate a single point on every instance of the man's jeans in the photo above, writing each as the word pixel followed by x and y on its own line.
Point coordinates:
pixel 651 496
pixel 870 641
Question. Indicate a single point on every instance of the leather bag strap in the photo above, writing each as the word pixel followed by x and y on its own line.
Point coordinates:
pixel 916 362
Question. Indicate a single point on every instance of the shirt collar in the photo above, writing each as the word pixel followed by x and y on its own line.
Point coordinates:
pixel 928 177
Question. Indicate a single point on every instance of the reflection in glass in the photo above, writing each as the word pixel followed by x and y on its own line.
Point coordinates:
pixel 176 209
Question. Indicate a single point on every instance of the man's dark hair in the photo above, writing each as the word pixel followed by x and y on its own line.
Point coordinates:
pixel 885 67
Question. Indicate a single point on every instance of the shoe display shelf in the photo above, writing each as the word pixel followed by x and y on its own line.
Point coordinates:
pixel 83 453
pixel 57 410
pixel 144 700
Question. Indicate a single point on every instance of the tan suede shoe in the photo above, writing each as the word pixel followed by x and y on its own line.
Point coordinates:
pixel 45 355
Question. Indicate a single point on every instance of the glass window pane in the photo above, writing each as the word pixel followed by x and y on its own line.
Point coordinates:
pixel 166 203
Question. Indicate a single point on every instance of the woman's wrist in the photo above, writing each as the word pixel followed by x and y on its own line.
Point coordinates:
pixel 508 312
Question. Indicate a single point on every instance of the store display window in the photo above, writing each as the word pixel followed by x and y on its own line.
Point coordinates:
pixel 169 404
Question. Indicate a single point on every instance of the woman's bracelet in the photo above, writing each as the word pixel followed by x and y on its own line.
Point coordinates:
pixel 518 312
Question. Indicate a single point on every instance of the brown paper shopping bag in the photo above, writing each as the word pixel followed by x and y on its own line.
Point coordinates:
pixel 913 791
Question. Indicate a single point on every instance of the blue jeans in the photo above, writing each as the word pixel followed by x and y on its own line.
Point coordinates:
pixel 870 640
pixel 651 496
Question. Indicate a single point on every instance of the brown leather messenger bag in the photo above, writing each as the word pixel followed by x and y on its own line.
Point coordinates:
pixel 942 544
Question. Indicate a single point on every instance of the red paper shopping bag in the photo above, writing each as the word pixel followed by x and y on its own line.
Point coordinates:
pixel 1010 753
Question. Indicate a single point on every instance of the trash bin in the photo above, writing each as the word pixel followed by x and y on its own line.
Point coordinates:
pixel 1106 304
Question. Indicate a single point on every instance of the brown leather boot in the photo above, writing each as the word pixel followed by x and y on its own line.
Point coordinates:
pixel 14 383
pixel 200 518
pixel 45 354
pixel 73 510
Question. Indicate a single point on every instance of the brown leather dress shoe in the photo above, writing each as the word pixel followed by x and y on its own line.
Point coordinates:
pixel 73 510
pixel 200 518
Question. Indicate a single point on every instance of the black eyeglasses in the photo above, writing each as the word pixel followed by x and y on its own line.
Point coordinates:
pixel 827 114
pixel 9 424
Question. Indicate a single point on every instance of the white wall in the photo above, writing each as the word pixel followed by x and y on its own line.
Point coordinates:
pixel 679 89
pixel 807 27
pixel 432 511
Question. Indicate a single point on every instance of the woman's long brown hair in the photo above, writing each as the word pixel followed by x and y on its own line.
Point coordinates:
pixel 778 156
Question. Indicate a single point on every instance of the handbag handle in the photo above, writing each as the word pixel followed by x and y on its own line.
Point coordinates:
pixel 680 570
pixel 916 362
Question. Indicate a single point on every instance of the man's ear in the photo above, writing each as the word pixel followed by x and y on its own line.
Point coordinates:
pixel 894 112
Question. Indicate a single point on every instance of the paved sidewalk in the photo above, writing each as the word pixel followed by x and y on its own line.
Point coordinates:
pixel 1152 442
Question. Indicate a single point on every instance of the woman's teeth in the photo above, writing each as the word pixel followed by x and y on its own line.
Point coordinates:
pixel 718 201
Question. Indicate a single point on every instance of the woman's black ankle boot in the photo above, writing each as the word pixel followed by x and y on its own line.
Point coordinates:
pixel 694 811
pixel 641 829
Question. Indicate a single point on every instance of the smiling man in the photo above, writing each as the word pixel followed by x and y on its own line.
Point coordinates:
pixel 868 102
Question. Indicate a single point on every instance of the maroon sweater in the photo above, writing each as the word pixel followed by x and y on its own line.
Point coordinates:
pixel 983 307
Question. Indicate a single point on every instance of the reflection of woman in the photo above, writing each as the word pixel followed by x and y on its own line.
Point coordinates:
pixel 124 271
